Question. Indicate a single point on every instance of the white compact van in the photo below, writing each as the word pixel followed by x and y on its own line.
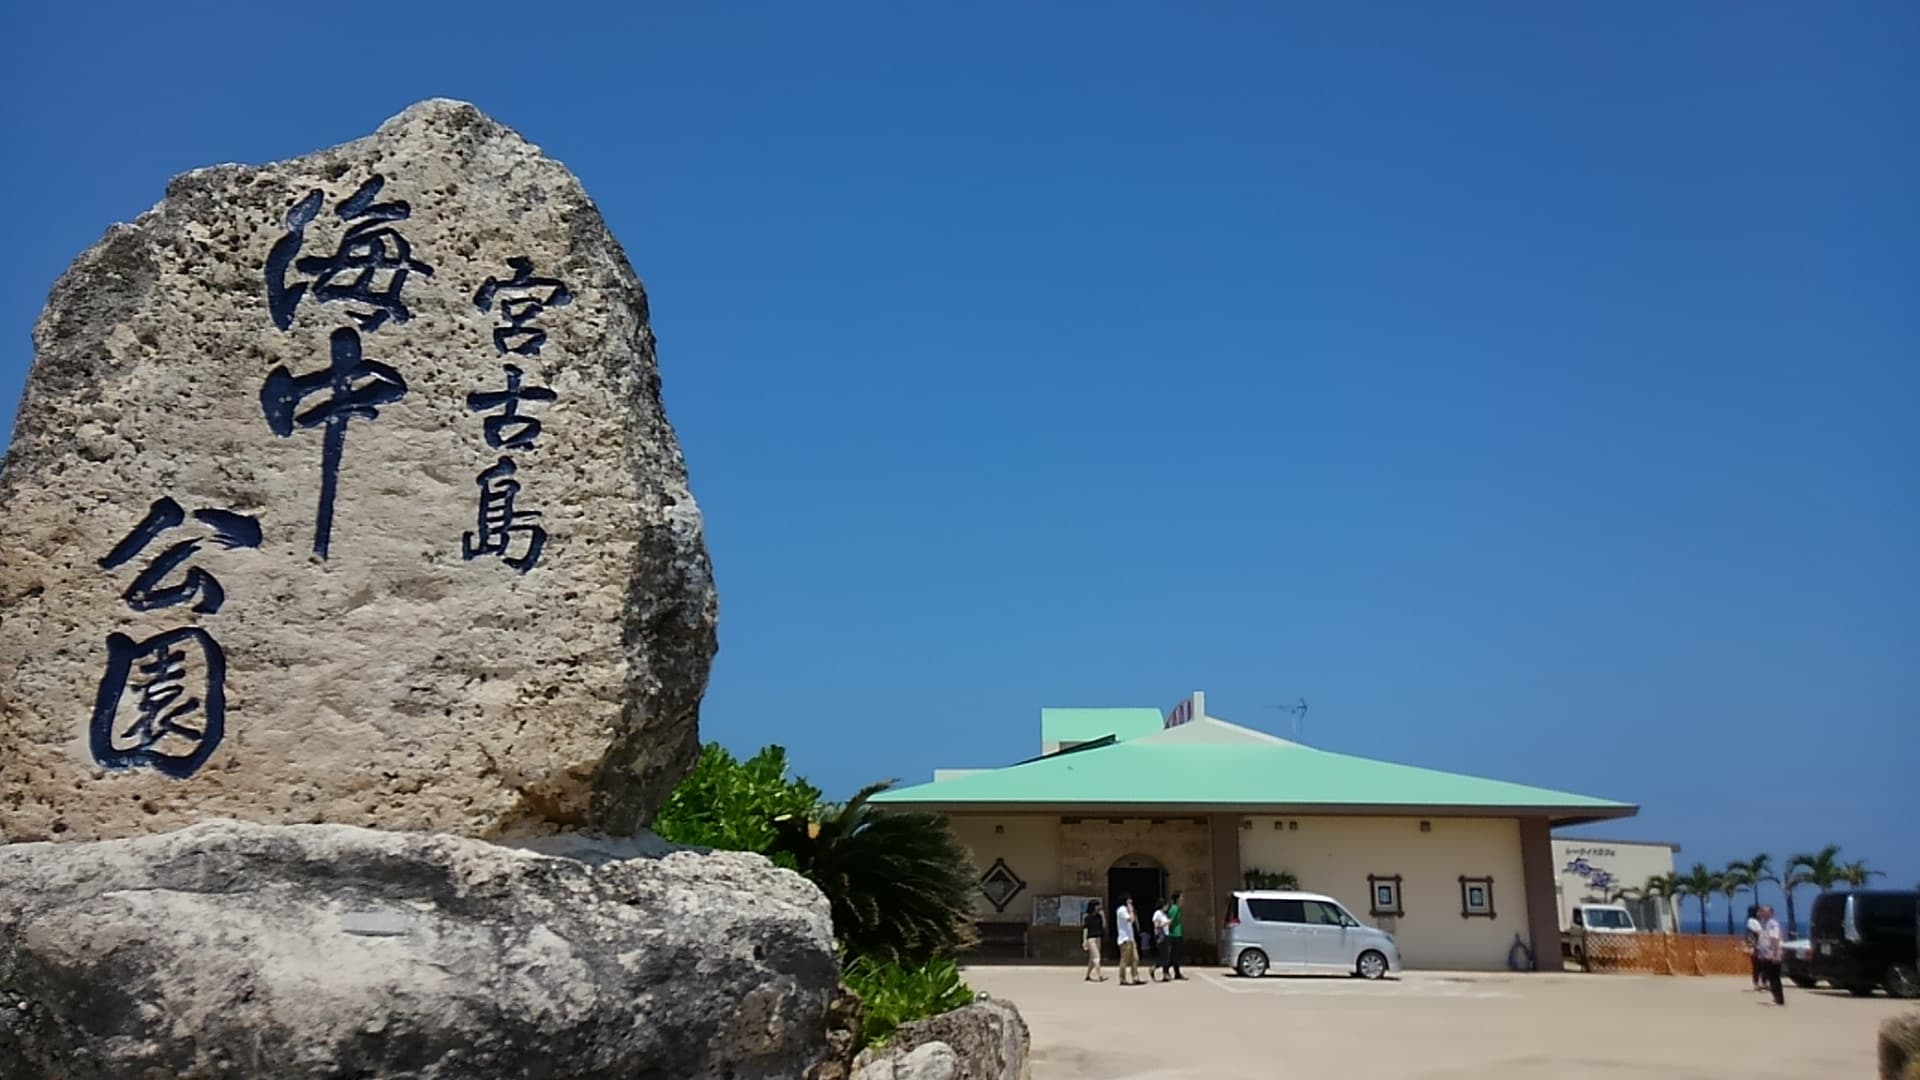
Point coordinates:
pixel 1304 933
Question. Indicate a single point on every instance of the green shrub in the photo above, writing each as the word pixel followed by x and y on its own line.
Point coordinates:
pixel 901 887
pixel 892 994
pixel 1279 879
pixel 733 805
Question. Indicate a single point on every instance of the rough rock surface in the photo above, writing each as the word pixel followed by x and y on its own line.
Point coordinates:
pixel 1900 1048
pixel 240 950
pixel 988 1039
pixel 509 628
pixel 928 1061
pixel 844 1032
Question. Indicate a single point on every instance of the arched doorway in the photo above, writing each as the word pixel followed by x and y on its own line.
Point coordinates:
pixel 1141 877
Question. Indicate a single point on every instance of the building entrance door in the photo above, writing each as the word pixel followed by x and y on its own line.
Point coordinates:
pixel 1142 878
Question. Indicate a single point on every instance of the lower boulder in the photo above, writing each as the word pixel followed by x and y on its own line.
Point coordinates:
pixel 986 1040
pixel 928 1061
pixel 229 950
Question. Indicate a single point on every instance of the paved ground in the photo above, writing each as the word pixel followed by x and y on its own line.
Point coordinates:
pixel 1427 1024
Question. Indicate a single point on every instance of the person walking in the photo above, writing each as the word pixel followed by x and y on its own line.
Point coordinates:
pixel 1163 944
pixel 1753 938
pixel 1176 935
pixel 1093 932
pixel 1126 935
pixel 1767 953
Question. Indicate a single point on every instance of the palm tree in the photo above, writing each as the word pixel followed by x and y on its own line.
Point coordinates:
pixel 1820 869
pixel 1738 871
pixel 1699 883
pixel 1665 887
pixel 899 884
pixel 1760 869
pixel 1856 873
pixel 1735 877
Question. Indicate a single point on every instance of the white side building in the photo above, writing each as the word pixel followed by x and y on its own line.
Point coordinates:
pixel 1595 871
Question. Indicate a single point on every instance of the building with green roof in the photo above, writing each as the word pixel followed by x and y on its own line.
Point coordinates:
pixel 1459 868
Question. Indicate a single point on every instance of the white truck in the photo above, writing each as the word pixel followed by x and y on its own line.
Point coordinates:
pixel 1593 919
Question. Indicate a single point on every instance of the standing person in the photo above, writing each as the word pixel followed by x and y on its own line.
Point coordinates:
pixel 1124 935
pixel 1093 931
pixel 1176 934
pixel 1766 951
pixel 1753 938
pixel 1163 944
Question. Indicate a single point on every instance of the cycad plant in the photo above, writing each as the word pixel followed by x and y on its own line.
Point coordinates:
pixel 900 885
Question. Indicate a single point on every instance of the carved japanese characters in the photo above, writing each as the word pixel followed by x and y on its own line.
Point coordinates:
pixel 341 491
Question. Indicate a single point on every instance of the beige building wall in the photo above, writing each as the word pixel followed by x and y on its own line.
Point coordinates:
pixel 1055 855
pixel 1089 847
pixel 1030 845
pixel 1334 856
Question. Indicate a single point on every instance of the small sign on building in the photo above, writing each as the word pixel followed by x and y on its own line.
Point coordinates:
pixel 1188 710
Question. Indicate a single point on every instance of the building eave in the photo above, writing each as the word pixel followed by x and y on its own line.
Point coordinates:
pixel 1558 816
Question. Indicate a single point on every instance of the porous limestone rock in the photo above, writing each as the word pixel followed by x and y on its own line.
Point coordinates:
pixel 341 491
pixel 928 1061
pixel 1900 1047
pixel 231 950
pixel 844 1033
pixel 987 1040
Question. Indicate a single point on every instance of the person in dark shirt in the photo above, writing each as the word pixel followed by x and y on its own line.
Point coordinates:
pixel 1093 930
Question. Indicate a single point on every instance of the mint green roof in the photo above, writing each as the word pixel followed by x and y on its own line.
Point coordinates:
pixel 1086 725
pixel 1214 764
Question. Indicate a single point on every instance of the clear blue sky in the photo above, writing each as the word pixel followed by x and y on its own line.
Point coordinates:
pixel 1535 389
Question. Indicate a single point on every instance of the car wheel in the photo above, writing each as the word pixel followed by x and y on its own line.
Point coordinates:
pixel 1860 991
pixel 1805 982
pixel 1372 965
pixel 1252 963
pixel 1902 982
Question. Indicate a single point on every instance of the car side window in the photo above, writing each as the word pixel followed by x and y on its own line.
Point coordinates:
pixel 1267 909
pixel 1320 914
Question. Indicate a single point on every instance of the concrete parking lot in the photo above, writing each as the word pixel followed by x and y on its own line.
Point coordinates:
pixel 1430 1024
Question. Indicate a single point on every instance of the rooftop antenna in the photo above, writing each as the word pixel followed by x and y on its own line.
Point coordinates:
pixel 1299 713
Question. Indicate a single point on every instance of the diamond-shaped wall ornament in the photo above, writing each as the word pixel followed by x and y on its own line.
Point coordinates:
pixel 1000 885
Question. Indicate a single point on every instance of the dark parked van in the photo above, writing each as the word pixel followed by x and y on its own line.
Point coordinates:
pixel 1867 938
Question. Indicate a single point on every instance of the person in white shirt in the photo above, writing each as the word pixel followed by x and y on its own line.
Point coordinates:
pixel 1163 945
pixel 1124 936
pixel 1767 953
pixel 1753 936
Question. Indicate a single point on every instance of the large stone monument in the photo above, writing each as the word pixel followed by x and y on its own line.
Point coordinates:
pixel 341 502
pixel 341 492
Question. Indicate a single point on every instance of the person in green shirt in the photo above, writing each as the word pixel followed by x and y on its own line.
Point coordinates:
pixel 1175 934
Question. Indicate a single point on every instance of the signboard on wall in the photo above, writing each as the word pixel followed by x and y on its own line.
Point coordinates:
pixel 1063 910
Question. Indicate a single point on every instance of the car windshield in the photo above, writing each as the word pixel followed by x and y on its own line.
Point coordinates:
pixel 1604 919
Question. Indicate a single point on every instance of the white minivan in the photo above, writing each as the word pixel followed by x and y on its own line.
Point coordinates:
pixel 1305 933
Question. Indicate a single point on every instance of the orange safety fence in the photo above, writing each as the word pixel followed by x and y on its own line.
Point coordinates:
pixel 1667 954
